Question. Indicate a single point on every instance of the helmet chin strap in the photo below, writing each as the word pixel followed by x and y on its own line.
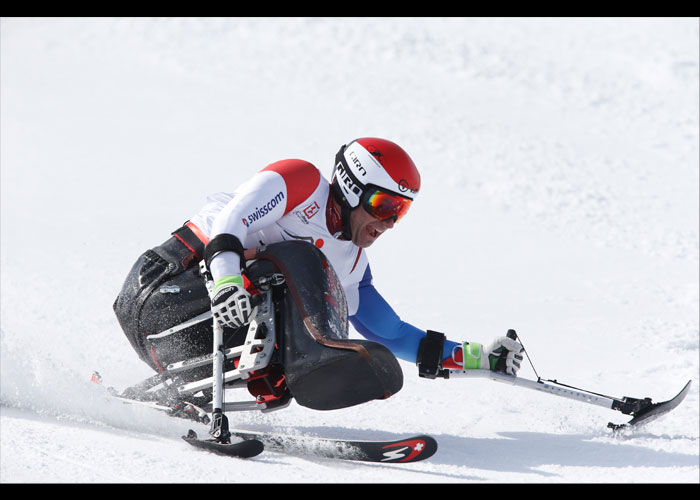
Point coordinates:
pixel 340 199
pixel 341 205
pixel 345 219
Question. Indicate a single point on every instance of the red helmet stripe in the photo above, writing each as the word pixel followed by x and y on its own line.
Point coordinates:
pixel 395 161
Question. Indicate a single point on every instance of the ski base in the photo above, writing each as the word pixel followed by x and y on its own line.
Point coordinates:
pixel 245 449
pixel 648 411
pixel 405 450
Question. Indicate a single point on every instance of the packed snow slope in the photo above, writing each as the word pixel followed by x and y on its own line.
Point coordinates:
pixel 559 160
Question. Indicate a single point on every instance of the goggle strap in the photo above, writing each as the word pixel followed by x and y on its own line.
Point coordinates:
pixel 340 159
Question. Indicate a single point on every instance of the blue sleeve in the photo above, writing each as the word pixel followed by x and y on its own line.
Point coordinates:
pixel 377 321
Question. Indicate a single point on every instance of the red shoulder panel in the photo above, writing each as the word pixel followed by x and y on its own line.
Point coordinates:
pixel 301 178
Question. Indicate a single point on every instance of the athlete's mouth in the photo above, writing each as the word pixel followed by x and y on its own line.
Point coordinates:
pixel 374 233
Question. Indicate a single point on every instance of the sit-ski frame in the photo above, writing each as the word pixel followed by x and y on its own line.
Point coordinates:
pixel 254 354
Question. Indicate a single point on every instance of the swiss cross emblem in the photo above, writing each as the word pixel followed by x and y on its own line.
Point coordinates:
pixel 311 210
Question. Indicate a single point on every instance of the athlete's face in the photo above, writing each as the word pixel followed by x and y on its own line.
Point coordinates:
pixel 365 228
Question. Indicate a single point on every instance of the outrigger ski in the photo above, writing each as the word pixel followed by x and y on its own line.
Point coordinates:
pixel 644 411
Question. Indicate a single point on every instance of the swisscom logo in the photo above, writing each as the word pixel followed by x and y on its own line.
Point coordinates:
pixel 261 212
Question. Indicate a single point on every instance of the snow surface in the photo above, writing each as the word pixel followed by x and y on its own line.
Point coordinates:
pixel 560 197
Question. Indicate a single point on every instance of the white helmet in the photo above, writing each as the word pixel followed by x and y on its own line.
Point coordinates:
pixel 369 167
pixel 377 162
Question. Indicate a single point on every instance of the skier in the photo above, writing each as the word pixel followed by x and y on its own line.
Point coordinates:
pixel 373 184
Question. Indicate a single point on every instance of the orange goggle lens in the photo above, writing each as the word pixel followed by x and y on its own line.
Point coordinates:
pixel 383 205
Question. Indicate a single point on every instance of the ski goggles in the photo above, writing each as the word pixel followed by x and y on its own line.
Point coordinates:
pixel 384 205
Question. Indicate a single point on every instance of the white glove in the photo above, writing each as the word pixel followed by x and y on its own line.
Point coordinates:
pixel 503 355
pixel 231 303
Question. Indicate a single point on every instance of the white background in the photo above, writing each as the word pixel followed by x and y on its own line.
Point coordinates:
pixel 559 160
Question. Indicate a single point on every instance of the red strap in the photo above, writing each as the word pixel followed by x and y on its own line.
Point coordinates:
pixel 359 252
pixel 179 238
pixel 159 367
pixel 198 232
